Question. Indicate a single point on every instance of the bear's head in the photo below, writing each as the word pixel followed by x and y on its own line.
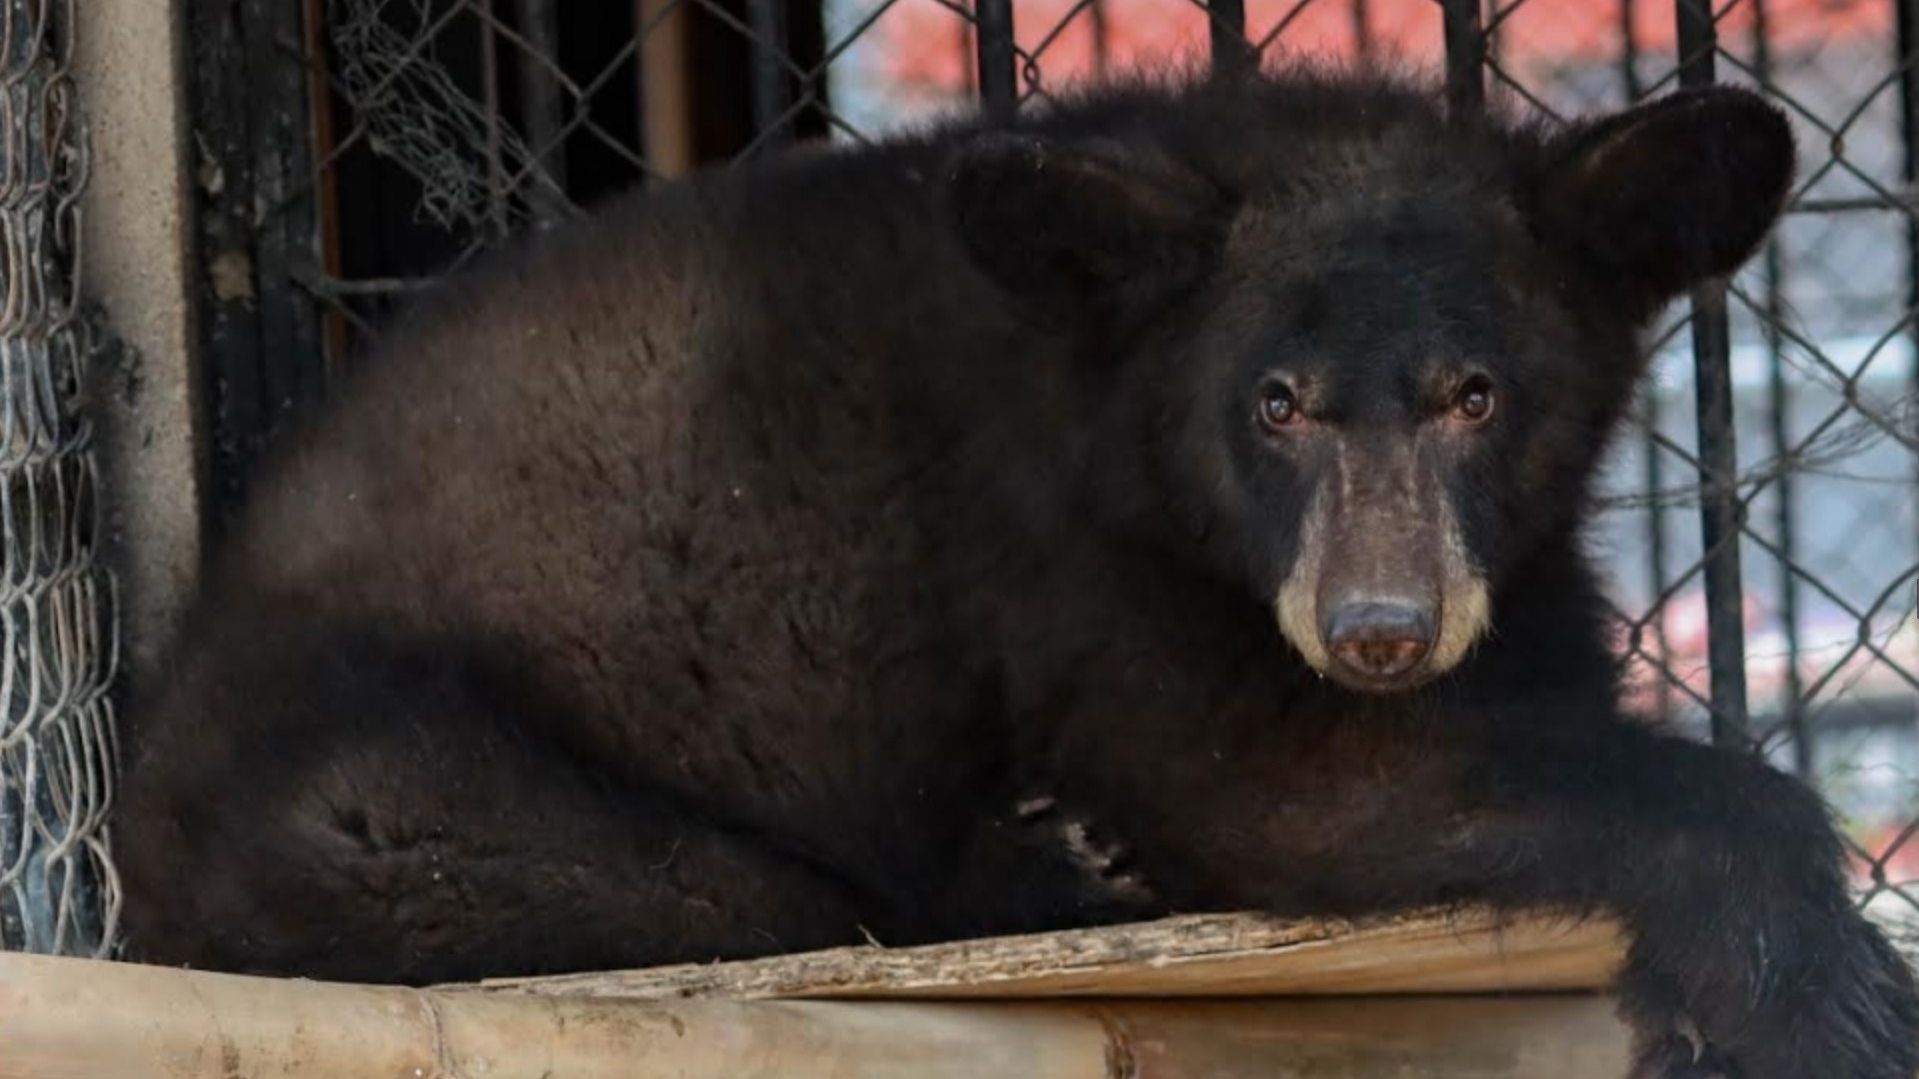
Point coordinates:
pixel 1349 353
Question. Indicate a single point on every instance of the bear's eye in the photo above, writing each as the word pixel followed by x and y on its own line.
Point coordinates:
pixel 1474 402
pixel 1277 406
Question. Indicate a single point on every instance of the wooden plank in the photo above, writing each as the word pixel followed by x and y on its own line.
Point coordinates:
pixel 69 1018
pixel 1205 956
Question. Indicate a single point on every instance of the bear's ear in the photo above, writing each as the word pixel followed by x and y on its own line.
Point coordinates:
pixel 1080 225
pixel 1658 198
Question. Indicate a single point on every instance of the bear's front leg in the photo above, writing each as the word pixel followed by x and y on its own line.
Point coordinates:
pixel 1727 874
pixel 1743 928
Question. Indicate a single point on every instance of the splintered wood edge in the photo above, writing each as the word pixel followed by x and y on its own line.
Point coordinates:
pixel 1234 955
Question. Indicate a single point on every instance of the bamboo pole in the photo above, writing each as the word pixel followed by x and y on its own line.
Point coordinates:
pixel 72 1018
pixel 1070 1006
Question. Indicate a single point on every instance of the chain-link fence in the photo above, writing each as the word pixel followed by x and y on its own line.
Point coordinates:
pixel 57 648
pixel 1761 532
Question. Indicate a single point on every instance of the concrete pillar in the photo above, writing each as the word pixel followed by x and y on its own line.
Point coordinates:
pixel 130 77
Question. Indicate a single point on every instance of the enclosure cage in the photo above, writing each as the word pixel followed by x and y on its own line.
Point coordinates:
pixel 1761 518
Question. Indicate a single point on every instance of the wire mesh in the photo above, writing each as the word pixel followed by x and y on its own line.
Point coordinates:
pixel 1817 453
pixel 57 648
pixel 1762 517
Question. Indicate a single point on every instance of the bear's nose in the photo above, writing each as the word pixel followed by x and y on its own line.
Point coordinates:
pixel 1379 639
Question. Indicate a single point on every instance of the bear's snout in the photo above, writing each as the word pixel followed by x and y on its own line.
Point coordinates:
pixel 1379 640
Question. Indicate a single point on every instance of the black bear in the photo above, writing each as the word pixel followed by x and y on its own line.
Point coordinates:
pixel 818 547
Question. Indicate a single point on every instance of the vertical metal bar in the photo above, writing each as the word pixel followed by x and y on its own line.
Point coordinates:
pixel 998 82
pixel 771 96
pixel 1698 42
pixel 1779 427
pixel 1465 55
pixel 1719 509
pixel 666 67
pixel 1226 19
pixel 1102 35
pixel 1629 51
pixel 1362 30
pixel 542 111
pixel 1908 42
pixel 968 42
pixel 490 87
pixel 326 186
pixel 1658 567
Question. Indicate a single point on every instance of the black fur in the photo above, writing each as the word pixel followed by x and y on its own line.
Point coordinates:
pixel 738 572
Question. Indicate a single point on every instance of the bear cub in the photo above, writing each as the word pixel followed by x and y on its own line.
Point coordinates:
pixel 1170 500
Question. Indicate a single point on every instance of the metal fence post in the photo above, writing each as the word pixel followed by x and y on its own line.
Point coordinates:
pixel 1658 572
pixel 1908 42
pixel 1779 422
pixel 1720 510
pixel 1465 55
pixel 1226 23
pixel 541 105
pixel 770 93
pixel 998 77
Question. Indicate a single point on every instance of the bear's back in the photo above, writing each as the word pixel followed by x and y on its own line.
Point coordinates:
pixel 654 460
